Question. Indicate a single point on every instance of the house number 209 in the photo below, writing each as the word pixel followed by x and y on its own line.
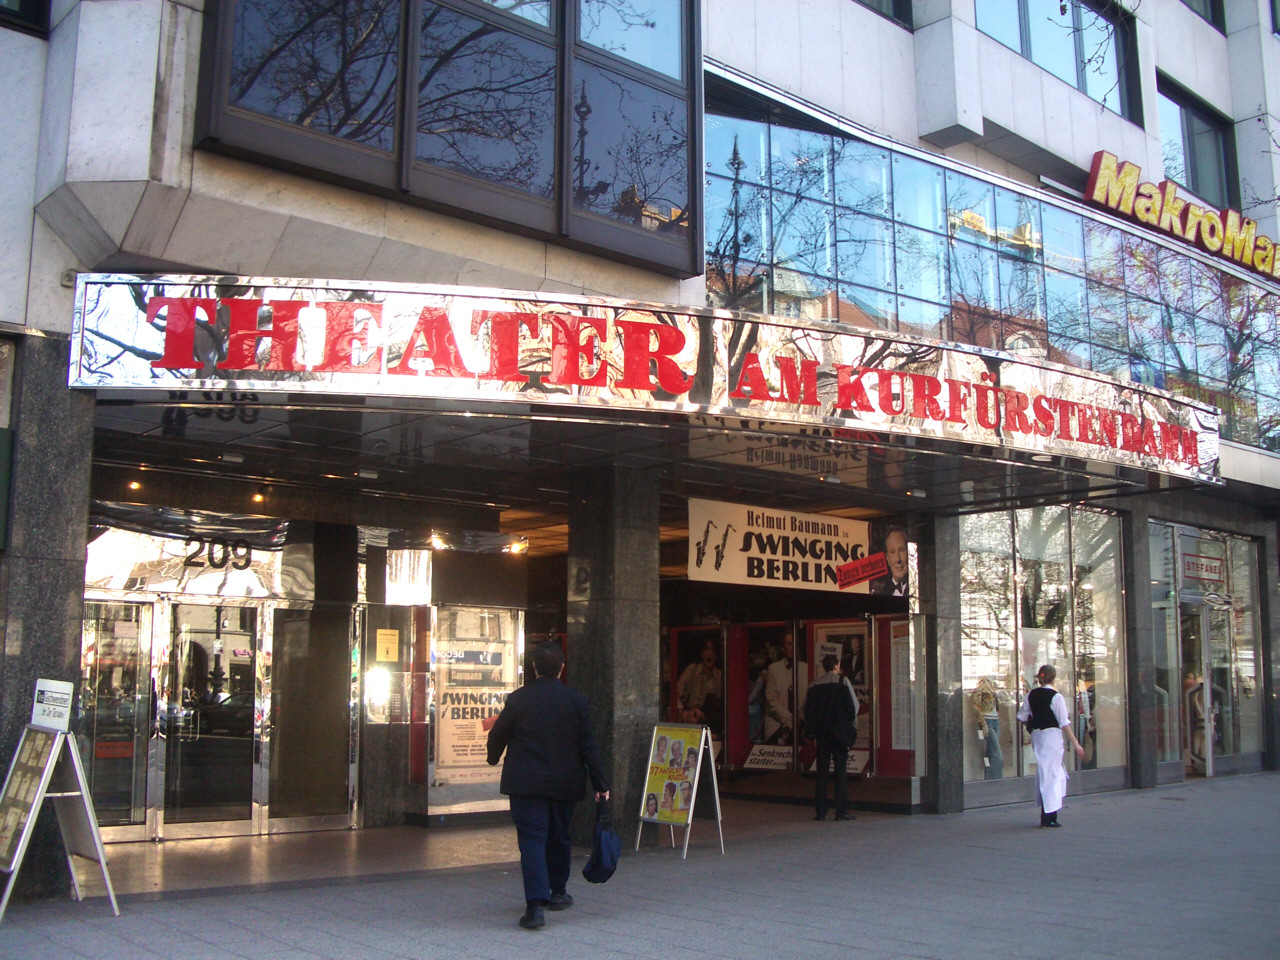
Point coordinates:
pixel 218 553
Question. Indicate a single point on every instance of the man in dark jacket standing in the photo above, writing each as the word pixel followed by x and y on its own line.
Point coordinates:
pixel 831 714
pixel 546 731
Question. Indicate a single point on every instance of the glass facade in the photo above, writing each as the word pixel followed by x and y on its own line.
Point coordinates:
pixel 1196 148
pixel 814 224
pixel 477 113
pixel 1041 585
pixel 1078 44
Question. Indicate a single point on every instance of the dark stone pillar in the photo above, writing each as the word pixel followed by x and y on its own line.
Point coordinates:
pixel 42 567
pixel 1139 645
pixel 613 620
pixel 1269 631
pixel 939 569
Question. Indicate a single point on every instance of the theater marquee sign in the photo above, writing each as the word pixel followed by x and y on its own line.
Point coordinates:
pixel 250 338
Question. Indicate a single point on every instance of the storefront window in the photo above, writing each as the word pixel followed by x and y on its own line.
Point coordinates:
pixel 1164 624
pixel 1042 585
pixel 1244 643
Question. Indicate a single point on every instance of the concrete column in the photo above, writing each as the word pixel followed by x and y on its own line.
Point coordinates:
pixel 939 569
pixel 613 621
pixel 42 568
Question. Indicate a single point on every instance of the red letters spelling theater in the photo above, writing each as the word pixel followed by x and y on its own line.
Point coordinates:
pixel 260 337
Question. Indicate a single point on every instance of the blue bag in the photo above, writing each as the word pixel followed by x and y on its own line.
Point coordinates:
pixel 605 847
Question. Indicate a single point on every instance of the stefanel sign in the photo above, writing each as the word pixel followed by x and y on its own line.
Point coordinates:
pixel 238 339
pixel 1118 187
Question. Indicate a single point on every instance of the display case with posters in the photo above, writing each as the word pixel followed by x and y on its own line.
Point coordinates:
pixel 850 641
pixel 762 696
pixel 476 654
pixel 697 691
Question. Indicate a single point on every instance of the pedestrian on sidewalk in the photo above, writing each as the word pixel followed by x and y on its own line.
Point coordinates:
pixel 545 729
pixel 1044 711
pixel 831 716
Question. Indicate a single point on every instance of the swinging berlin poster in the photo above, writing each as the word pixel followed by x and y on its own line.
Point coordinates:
pixel 732 543
pixel 240 340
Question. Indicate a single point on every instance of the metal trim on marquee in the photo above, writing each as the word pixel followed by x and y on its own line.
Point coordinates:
pixel 210 339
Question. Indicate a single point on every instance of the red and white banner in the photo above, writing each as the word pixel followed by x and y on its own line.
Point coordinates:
pixel 238 339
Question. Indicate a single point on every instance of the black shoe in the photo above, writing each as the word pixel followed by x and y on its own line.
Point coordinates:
pixel 845 816
pixel 560 901
pixel 533 919
pixel 1051 823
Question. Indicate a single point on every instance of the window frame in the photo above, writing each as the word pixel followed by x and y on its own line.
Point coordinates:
pixel 901 14
pixel 1127 73
pixel 1216 16
pixel 399 175
pixel 32 16
pixel 1190 105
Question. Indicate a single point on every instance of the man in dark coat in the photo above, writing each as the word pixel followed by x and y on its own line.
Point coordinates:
pixel 831 714
pixel 546 732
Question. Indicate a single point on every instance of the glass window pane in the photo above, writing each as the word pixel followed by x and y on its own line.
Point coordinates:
pixel 736 148
pixel 1266 367
pixel 803 235
pixel 1269 422
pixel 921 264
pixel 1146 332
pixel 1206 151
pixel 1113 363
pixel 971 212
pixel 1142 266
pixel 1173 147
pixel 1065 303
pixel 1244 642
pixel 331 69
pixel 923 319
pixel 864 250
pixel 1175 279
pixel 1018 225
pixel 1053 38
pixel 1209 292
pixel 998 19
pixel 630 151
pixel 1164 622
pixel 799 161
pixel 1063 239
pixel 917 194
pixel 1108 317
pixel 1212 352
pixel 1099 709
pixel 861 173
pixel 874 309
pixel 992 739
pixel 1022 291
pixel 736 241
pixel 486 102
pixel 647 32
pixel 1075 353
pixel 801 296
pixel 538 11
pixel 973 276
pixel 1104 253
pixel 1100 45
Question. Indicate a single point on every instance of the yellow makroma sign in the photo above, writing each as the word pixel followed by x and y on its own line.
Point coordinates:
pixel 1228 234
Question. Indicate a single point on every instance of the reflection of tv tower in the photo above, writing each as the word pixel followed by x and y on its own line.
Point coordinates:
pixel 701 546
pixel 720 548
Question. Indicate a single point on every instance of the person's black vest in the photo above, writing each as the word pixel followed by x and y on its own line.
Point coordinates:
pixel 1041 702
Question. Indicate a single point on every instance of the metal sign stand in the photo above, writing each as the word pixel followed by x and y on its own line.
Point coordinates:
pixel 47 764
pixel 704 752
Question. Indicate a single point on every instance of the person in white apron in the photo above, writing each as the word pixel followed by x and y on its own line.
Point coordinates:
pixel 1044 711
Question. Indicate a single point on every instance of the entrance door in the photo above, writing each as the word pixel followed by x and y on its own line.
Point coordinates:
pixel 209 719
pixel 1208 728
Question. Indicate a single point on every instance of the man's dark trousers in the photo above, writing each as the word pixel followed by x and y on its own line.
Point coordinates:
pixel 546 850
pixel 829 751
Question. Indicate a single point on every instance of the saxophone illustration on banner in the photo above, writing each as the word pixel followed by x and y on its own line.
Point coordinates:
pixel 701 546
pixel 720 547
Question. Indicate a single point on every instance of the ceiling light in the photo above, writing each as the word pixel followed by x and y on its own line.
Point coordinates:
pixel 135 485
pixel 228 457
pixel 367 473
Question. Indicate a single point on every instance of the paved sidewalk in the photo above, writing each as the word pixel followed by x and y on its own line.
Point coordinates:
pixel 1188 871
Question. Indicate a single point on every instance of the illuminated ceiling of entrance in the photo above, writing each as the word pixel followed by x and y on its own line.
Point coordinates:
pixel 518 468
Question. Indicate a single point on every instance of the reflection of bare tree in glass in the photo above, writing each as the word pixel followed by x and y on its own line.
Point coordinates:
pixel 638 147
pixel 325 64
pixel 735 273
pixel 486 102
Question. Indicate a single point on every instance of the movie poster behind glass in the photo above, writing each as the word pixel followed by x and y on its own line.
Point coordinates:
pixel 476 657
pixel 850 641
pixel 771 697
pixel 697 677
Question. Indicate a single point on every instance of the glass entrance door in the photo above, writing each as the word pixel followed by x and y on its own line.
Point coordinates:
pixel 208 719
